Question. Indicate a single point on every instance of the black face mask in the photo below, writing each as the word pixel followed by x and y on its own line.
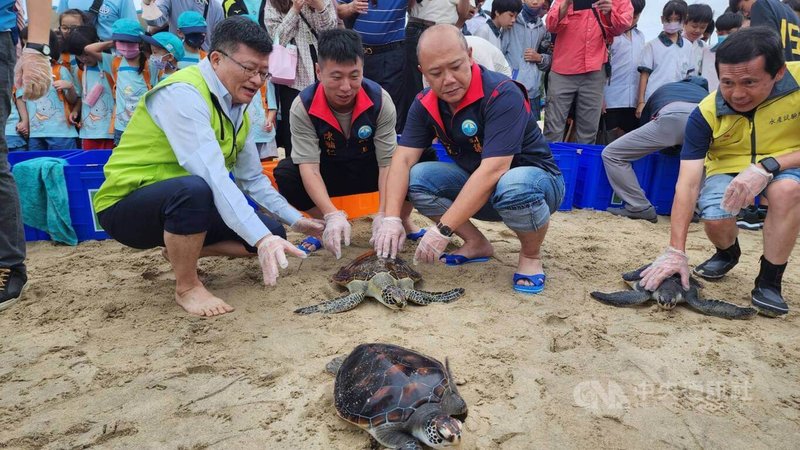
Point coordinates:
pixel 195 39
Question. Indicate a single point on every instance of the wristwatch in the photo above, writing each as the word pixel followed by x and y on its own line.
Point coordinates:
pixel 41 48
pixel 771 165
pixel 444 229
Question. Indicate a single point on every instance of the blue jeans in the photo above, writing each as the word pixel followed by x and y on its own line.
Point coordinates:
pixel 53 143
pixel 714 189
pixel 523 199
pixel 16 143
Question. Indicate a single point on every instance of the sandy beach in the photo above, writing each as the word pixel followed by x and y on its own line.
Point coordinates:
pixel 98 355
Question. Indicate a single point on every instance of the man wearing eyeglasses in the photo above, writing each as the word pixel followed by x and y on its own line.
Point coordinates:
pixel 168 184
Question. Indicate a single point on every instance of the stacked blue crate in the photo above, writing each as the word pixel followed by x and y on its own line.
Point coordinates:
pixel 35 234
pixel 592 189
pixel 84 175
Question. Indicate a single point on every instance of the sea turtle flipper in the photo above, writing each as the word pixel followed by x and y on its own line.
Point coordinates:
pixel 453 404
pixel 337 305
pixel 718 308
pixel 622 298
pixel 634 275
pixel 425 298
pixel 393 435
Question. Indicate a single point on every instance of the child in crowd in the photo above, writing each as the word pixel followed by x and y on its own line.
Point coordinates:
pixel 15 140
pixel 621 92
pixel 129 69
pixel 668 57
pixel 166 51
pixel 68 21
pixel 523 50
pixel 504 14
pixel 263 110
pixel 707 34
pixel 48 117
pixel 479 17
pixel 698 18
pixel 97 91
pixel 192 29
pixel 726 24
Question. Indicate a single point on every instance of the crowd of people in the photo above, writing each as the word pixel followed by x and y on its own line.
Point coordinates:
pixel 355 119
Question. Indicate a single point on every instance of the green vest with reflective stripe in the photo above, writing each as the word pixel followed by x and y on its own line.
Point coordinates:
pixel 144 155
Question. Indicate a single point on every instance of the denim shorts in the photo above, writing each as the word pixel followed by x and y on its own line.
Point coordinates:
pixel 714 188
pixel 523 199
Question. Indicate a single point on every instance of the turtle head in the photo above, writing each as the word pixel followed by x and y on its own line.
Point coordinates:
pixel 441 431
pixel 394 297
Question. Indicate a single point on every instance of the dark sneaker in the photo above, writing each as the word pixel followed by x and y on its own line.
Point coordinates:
pixel 751 218
pixel 716 267
pixel 12 282
pixel 648 214
pixel 769 302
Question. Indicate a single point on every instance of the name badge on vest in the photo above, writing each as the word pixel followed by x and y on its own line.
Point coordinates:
pixel 469 128
pixel 364 132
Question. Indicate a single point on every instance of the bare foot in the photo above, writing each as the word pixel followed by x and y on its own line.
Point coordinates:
pixel 475 249
pixel 528 266
pixel 200 302
pixel 410 226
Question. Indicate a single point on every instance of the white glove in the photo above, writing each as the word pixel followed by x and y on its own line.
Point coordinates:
pixel 376 225
pixel 670 262
pixel 744 187
pixel 271 254
pixel 337 228
pixel 390 237
pixel 309 227
pixel 33 73
pixel 431 246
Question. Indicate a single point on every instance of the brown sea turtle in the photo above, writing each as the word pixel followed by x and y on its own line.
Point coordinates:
pixel 404 399
pixel 390 281
pixel 669 294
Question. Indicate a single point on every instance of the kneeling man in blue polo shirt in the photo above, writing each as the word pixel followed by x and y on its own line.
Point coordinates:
pixel 503 167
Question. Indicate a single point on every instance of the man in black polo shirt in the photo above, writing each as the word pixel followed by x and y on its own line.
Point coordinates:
pixel 503 169
pixel 343 138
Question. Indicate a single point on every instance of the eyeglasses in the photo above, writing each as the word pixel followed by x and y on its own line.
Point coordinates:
pixel 250 73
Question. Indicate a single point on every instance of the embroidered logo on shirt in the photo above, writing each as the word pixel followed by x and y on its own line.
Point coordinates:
pixel 364 132
pixel 469 128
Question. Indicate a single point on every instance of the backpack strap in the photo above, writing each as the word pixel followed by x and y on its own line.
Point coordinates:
pixel 56 69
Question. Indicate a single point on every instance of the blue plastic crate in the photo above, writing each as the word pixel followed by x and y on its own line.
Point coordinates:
pixel 592 189
pixel 84 175
pixel 35 234
pixel 661 189
pixel 566 158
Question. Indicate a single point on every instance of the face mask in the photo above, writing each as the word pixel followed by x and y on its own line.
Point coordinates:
pixel 672 27
pixel 720 39
pixel 158 62
pixel 195 40
pixel 127 50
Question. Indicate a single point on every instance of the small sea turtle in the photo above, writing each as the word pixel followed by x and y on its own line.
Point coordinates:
pixel 669 294
pixel 390 281
pixel 402 398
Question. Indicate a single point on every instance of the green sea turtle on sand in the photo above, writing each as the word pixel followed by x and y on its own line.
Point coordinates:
pixel 390 281
pixel 669 294
pixel 404 399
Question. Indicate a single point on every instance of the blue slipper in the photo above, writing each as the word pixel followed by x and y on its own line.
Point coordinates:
pixel 458 260
pixel 536 280
pixel 416 236
pixel 311 241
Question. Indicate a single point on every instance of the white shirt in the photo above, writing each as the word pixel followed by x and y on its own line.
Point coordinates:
pixel 667 63
pixel 194 142
pixel 626 52
pixel 439 11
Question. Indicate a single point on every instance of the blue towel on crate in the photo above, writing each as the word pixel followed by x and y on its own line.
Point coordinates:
pixel 43 197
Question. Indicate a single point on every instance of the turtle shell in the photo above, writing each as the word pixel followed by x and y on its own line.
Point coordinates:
pixel 367 265
pixel 384 383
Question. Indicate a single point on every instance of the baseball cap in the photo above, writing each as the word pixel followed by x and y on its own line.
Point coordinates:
pixel 127 30
pixel 168 42
pixel 192 22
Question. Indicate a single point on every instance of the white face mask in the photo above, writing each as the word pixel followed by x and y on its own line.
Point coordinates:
pixel 672 27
